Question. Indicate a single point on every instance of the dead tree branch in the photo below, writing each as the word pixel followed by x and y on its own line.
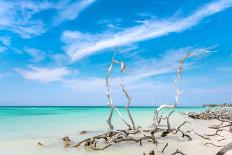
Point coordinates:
pixel 225 149
pixel 128 104
pixel 110 102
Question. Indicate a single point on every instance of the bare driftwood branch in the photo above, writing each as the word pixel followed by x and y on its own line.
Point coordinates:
pixel 40 144
pixel 128 104
pixel 108 95
pixel 179 71
pixel 221 139
pixel 164 147
pixel 197 52
pixel 67 141
pixel 178 152
pixel 110 102
pixel 209 143
pixel 225 149
pixel 202 136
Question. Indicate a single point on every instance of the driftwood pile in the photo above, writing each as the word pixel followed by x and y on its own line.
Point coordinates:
pixel 161 125
pixel 224 115
pixel 138 135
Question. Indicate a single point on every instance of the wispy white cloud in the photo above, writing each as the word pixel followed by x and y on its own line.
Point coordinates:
pixel 36 55
pixel 44 74
pixel 59 59
pixel 16 17
pixel 19 16
pixel 79 45
pixel 5 42
pixel 72 11
pixel 111 24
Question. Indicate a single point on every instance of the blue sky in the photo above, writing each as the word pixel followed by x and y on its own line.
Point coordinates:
pixel 58 52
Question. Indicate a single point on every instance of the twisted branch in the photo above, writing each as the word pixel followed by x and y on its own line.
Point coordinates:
pixel 128 104
pixel 110 102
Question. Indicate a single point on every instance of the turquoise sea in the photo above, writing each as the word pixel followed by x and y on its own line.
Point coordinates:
pixel 19 123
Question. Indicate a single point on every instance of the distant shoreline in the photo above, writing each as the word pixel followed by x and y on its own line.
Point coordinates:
pixel 218 105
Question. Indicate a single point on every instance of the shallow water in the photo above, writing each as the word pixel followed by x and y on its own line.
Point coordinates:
pixel 23 127
pixel 21 123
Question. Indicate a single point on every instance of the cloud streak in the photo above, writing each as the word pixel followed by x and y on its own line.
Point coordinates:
pixel 16 17
pixel 20 16
pixel 79 45
pixel 35 54
pixel 5 42
pixel 73 10
pixel 44 74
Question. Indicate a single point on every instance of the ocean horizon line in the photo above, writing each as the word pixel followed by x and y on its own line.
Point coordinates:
pixel 89 106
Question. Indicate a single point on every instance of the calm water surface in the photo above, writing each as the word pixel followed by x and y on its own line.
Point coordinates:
pixel 19 123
